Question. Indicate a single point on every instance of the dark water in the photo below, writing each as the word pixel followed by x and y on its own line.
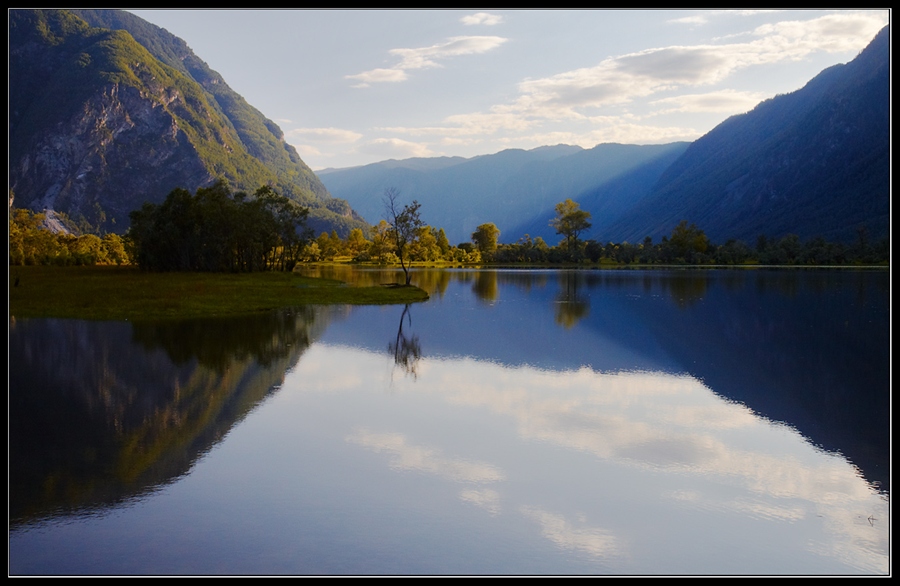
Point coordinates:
pixel 519 422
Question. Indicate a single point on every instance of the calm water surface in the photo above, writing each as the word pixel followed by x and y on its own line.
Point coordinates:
pixel 519 422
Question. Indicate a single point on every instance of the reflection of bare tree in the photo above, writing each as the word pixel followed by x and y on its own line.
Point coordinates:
pixel 406 349
pixel 570 305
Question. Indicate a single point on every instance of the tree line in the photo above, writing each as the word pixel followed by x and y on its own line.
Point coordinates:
pixel 220 231
pixel 31 243
pixel 686 245
pixel 217 230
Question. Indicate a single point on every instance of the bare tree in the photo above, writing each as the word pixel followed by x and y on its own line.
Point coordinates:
pixel 405 223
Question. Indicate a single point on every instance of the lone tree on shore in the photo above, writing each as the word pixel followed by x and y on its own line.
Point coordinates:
pixel 404 222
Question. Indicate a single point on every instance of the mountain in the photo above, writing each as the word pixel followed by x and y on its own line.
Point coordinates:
pixel 515 189
pixel 107 111
pixel 815 162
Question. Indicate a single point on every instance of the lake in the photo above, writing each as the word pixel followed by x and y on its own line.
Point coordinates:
pixel 536 422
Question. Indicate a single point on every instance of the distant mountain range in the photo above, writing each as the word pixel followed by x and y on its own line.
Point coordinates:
pixel 815 162
pixel 515 189
pixel 107 111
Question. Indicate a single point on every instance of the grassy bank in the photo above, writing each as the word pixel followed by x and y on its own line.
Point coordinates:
pixel 126 293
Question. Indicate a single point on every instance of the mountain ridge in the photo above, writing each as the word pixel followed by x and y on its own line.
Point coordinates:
pixel 814 162
pixel 100 123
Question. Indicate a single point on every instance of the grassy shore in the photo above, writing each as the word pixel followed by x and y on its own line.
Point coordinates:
pixel 126 293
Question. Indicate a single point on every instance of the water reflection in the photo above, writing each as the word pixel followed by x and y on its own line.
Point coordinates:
pixel 405 348
pixel 103 412
pixel 571 304
pixel 637 448
pixel 485 286
pixel 575 422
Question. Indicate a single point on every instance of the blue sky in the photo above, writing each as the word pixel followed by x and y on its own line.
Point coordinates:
pixel 352 87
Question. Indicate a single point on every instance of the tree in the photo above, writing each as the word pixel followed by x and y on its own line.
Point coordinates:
pixel 485 239
pixel 688 240
pixel 381 241
pixel 356 242
pixel 216 230
pixel 442 242
pixel 570 221
pixel 404 222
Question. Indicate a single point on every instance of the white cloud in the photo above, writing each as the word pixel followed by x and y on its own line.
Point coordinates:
pixel 484 18
pixel 306 151
pixel 606 129
pixel 725 101
pixel 326 135
pixel 367 78
pixel 391 148
pixel 695 19
pixel 426 57
pixel 577 94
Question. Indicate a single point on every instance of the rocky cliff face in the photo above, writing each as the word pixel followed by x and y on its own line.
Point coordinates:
pixel 112 112
pixel 119 137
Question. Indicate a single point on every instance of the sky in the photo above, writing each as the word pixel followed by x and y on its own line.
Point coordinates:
pixel 353 87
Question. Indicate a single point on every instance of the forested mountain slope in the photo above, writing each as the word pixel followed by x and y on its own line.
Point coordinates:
pixel 108 111
pixel 815 162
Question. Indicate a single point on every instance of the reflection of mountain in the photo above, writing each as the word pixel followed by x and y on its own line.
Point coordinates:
pixel 819 362
pixel 808 348
pixel 620 467
pixel 101 412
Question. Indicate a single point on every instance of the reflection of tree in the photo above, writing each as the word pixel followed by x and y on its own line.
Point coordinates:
pixel 485 285
pixel 217 342
pixel 570 305
pixel 687 287
pixel 406 349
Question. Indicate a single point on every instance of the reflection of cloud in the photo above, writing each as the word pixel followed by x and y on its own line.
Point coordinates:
pixel 592 540
pixel 422 459
pixel 732 461
pixel 486 498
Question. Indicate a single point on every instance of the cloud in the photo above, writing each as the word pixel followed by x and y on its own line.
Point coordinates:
pixel 392 148
pixel 367 78
pixel 606 129
pixel 695 19
pixel 326 135
pixel 705 17
pixel 579 94
pixel 725 101
pixel 484 18
pixel 427 57
pixel 306 151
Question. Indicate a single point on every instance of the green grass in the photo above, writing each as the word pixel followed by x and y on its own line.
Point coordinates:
pixel 126 293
